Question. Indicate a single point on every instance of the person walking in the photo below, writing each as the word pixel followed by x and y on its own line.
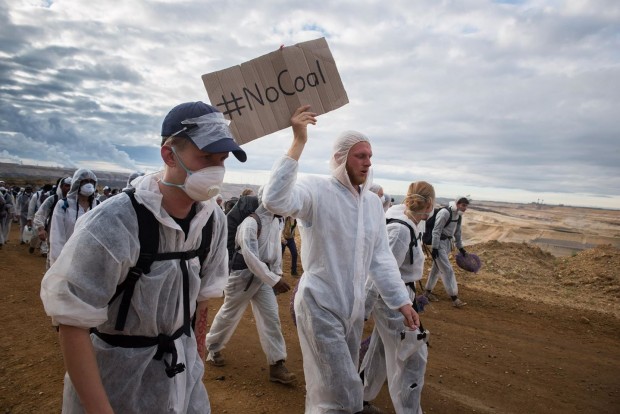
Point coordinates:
pixel 79 200
pixel 344 241
pixel 399 358
pixel 446 236
pixel 254 280
pixel 143 355
pixel 43 217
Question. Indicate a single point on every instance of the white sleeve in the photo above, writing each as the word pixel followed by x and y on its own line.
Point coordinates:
pixel 43 213
pixel 32 205
pixel 282 196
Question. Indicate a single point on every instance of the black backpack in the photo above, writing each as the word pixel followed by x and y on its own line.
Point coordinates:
pixel 427 237
pixel 413 241
pixel 246 206
pixel 148 235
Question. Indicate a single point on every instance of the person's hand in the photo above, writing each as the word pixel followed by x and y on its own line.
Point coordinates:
pixel 463 251
pixel 42 234
pixel 281 287
pixel 300 120
pixel 412 319
pixel 435 254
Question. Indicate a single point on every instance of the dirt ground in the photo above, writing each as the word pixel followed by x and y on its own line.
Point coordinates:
pixel 540 334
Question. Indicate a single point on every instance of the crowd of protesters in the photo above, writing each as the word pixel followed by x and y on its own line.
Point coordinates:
pixel 123 334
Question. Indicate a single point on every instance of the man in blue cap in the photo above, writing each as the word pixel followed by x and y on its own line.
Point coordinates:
pixel 143 354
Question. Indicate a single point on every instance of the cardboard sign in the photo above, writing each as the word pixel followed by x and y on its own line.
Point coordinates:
pixel 259 96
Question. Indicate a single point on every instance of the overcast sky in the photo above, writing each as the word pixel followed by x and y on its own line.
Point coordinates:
pixel 502 100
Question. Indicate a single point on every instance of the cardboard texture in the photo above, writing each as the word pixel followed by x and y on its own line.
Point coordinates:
pixel 259 96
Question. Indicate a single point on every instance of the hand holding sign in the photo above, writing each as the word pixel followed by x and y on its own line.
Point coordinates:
pixel 300 120
pixel 258 96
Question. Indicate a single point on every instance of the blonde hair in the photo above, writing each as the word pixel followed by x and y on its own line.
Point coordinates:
pixel 420 197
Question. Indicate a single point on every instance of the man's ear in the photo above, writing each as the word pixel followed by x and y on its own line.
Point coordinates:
pixel 168 156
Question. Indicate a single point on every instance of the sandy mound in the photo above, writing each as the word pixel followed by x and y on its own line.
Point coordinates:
pixel 587 280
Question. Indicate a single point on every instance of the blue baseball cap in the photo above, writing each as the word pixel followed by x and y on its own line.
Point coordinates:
pixel 204 125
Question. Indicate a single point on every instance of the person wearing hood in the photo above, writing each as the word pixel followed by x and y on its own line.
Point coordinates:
pixel 143 355
pixel 23 203
pixel 385 198
pixel 79 200
pixel 43 217
pixel 7 211
pixel 130 179
pixel 400 360
pixel 341 247
pixel 37 199
pixel 254 279
pixel 446 235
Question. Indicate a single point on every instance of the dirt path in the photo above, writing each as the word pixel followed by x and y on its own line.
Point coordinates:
pixel 497 355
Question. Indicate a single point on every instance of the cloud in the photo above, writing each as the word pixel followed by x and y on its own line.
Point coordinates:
pixel 519 95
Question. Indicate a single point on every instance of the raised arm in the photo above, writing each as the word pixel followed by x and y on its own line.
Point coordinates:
pixel 281 196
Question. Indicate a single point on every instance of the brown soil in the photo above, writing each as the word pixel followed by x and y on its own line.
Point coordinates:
pixel 539 335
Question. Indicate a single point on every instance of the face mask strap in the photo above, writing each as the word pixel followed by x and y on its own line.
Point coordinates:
pixel 187 170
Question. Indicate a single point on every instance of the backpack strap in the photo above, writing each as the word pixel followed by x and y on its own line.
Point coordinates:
pixel 148 235
pixel 413 242
pixel 458 220
pixel 48 220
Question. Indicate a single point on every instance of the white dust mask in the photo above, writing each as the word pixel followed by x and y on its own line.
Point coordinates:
pixel 200 185
pixel 87 189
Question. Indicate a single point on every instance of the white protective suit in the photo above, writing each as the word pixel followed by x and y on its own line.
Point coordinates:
pixel 35 203
pixel 446 234
pixel 66 214
pixel 46 209
pixel 42 215
pixel 405 376
pixel 344 240
pixel 253 285
pixel 7 218
pixel 77 288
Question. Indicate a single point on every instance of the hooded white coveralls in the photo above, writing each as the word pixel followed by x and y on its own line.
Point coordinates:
pixel 405 376
pixel 253 285
pixel 448 228
pixel 64 220
pixel 5 222
pixel 45 210
pixel 77 288
pixel 344 240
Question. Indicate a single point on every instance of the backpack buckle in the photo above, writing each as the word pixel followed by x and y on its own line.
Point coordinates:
pixel 173 370
pixel 134 274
